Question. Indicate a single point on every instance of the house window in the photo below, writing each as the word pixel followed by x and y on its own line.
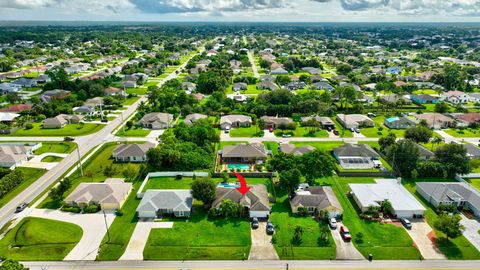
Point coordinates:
pixel 169 211
pixel 181 213
pixel 310 209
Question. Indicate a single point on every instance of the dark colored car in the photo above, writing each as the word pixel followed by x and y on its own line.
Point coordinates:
pixel 336 132
pixel 104 120
pixel 406 223
pixel 345 233
pixel 21 207
pixel 270 228
pixel 356 130
pixel 69 139
pixel 255 223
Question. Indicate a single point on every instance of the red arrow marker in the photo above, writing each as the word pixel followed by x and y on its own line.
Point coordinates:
pixel 243 189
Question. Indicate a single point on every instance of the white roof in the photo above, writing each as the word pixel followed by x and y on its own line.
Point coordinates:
pixel 8 117
pixel 386 189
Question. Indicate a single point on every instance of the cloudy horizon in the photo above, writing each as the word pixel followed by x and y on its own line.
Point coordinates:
pixel 243 10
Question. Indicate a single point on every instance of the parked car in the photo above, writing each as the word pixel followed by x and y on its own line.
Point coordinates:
pixel 333 223
pixel 69 139
pixel 345 233
pixel 352 129
pixel 21 207
pixel 356 130
pixel 329 129
pixel 255 223
pixel 286 135
pixel 336 132
pixel 104 120
pixel 270 130
pixel 270 228
pixel 227 130
pixel 406 223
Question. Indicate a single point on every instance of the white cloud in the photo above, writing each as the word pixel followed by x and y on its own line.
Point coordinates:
pixel 180 6
pixel 26 4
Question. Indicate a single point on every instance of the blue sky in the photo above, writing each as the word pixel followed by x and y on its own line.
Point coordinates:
pixel 243 10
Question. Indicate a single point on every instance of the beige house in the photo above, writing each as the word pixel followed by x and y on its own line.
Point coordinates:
pixel 315 200
pixel 156 120
pixel 110 194
pixel 132 152
pixel 355 120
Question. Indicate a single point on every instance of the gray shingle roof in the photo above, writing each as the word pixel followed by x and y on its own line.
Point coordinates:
pixel 256 198
pixel 177 200
pixel 251 150
pixel 355 150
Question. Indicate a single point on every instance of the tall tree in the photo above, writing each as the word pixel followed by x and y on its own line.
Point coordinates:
pixel 453 157
pixel 419 134
pixel 204 190
pixel 403 155
pixel 449 225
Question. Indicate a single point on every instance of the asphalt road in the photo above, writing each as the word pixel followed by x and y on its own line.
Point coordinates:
pixel 264 265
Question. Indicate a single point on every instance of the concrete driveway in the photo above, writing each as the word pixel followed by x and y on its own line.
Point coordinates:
pixel 134 250
pixel 419 234
pixel 93 226
pixel 345 250
pixel 472 227
pixel 262 247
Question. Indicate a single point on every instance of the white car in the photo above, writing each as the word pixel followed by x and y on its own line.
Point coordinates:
pixel 333 223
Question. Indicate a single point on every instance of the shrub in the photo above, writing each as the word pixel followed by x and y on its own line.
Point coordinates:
pixel 29 126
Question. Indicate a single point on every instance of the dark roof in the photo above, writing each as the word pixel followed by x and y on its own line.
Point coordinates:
pixel 355 150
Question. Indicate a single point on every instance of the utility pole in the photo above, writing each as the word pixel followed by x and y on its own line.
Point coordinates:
pixel 79 161
pixel 123 124
pixel 106 225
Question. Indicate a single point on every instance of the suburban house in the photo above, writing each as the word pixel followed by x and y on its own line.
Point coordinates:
pixel 275 122
pixel 322 86
pixel 156 120
pixel 235 121
pixel 255 201
pixel 456 193
pixel 86 110
pixel 156 203
pixel 355 120
pixel 424 153
pixel 194 117
pixel 239 86
pixel 316 200
pixel 472 150
pixel 324 121
pixel 402 122
pixel 12 155
pixel 7 117
pixel 424 99
pixel 357 156
pixel 393 98
pixel 61 120
pixel 132 152
pixel 455 97
pixel 9 88
pixel 403 202
pixel 436 120
pixel 109 195
pixel 294 150
pixel 17 108
pixel 251 153
pixel 189 86
pixel 56 94
pixel 267 85
pixel 112 91
pixel 25 82
pixel 279 71
pixel 466 119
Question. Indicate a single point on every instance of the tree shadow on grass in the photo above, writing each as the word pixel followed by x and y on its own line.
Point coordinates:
pixel 449 248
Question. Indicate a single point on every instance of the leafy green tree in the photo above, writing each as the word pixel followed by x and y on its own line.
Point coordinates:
pixel 289 180
pixel 441 107
pixel 316 164
pixel 419 134
pixel 204 190
pixel 453 157
pixel 449 225
pixel 387 141
pixel 209 82
pixel 282 162
pixel 403 155
pixel 12 265
pixel 230 209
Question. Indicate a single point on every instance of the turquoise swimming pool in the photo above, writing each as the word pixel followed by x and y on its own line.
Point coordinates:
pixel 238 167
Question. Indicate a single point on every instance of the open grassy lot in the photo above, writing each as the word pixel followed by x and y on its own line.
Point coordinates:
pixel 380 130
pixel 52 159
pixel 56 147
pixel 303 132
pixel 168 183
pixel 384 241
pixel 137 90
pixel 133 132
pixel 324 146
pixel 32 239
pixel 95 165
pixel 463 133
pixel 30 176
pixel 312 246
pixel 245 132
pixel 200 239
pixel 68 130
pixel 455 249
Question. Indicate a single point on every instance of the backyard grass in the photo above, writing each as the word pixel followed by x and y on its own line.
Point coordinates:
pixel 32 239
pixel 379 130
pixel 312 245
pixel 95 165
pixel 383 241
pixel 200 239
pixel 475 182
pixel 454 249
pixel 425 92
pixel 133 132
pixel 56 147
pixel 463 133
pixel 51 159
pixel 68 130
pixel 168 183
pixel 30 175
pixel 245 132
pixel 272 146
pixel 324 146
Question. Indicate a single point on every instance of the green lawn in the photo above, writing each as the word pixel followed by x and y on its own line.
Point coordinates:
pixel 312 246
pixel 95 165
pixel 463 133
pixel 52 159
pixel 168 183
pixel 425 92
pixel 32 239
pixel 379 130
pixel 303 132
pixel 455 249
pixel 272 146
pixel 133 132
pixel 130 101
pixel 200 239
pixel 30 176
pixel 344 133
pixel 68 130
pixel 475 182
pixel 245 132
pixel 138 91
pixel 384 241
pixel 324 146
pixel 56 147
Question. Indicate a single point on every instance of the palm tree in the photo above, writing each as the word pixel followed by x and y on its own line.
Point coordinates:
pixel 437 141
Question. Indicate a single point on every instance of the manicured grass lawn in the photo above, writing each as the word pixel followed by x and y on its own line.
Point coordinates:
pixel 344 133
pixel 30 176
pixel 68 130
pixel 425 92
pixel 56 147
pixel 95 165
pixel 200 239
pixel 384 241
pixel 52 159
pixel 463 133
pixel 121 229
pixel 32 239
pixel 133 132
pixel 303 132
pixel 130 101
pixel 245 132
pixel 455 249
pixel 475 182
pixel 168 183
pixel 380 130
pixel 312 246
pixel 324 146
pixel 272 146
pixel 138 91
